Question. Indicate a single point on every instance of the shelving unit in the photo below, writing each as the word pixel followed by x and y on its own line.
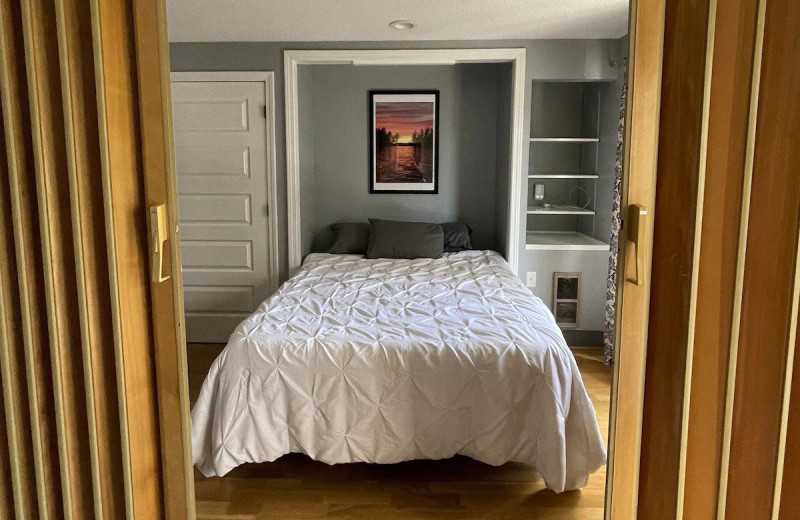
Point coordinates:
pixel 565 139
pixel 559 210
pixel 563 241
pixel 565 122
pixel 573 149
pixel 564 176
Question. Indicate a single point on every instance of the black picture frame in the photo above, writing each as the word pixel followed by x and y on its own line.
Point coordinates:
pixel 377 187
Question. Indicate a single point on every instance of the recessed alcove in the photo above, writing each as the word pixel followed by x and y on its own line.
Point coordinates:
pixel 474 145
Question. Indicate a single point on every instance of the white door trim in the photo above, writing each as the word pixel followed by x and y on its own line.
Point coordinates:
pixel 268 78
pixel 404 57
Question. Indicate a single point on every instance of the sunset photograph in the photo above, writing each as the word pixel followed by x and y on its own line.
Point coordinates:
pixel 404 142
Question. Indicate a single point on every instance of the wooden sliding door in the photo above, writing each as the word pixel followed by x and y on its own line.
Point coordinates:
pixel 35 470
pixel 731 73
pixel 673 293
pixel 95 407
pixel 638 203
pixel 723 308
pixel 761 449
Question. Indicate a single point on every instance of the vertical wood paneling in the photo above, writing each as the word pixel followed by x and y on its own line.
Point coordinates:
pixel 790 498
pixel 125 213
pixel 765 340
pixel 734 40
pixel 47 127
pixel 641 147
pixel 25 217
pixel 12 351
pixel 679 200
pixel 166 297
pixel 79 414
pixel 94 302
pixel 6 491
pixel 6 488
pixel 784 45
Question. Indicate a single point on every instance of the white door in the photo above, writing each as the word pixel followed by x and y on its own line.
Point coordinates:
pixel 221 165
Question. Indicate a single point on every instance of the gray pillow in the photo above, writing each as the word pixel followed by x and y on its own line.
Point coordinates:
pixel 351 238
pixel 393 239
pixel 456 237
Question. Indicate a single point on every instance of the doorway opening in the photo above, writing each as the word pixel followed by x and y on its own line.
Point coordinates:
pixel 562 147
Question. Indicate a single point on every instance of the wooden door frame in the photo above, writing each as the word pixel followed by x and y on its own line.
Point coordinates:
pixel 646 30
pixel 136 164
pixel 268 79
pixel 160 186
pixel 642 117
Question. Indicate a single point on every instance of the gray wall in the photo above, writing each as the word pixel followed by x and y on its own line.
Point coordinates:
pixel 546 59
pixel 305 117
pixel 503 158
pixel 468 112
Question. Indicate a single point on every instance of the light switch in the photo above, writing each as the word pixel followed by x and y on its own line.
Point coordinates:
pixel 530 279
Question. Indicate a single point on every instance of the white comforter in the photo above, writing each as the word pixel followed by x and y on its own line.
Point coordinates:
pixel 390 360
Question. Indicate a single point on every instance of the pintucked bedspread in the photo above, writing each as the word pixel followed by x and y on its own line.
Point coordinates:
pixel 357 360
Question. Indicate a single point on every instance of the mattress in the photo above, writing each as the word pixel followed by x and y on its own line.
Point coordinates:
pixel 357 360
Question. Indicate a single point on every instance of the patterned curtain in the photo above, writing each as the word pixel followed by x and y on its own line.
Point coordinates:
pixel 611 288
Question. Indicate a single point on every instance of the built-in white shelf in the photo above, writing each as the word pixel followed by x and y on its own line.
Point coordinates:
pixel 563 241
pixel 565 139
pixel 563 176
pixel 559 210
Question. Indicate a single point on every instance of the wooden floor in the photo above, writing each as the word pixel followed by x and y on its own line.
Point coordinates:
pixel 459 488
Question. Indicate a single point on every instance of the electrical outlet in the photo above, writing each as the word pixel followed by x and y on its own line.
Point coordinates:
pixel 530 279
pixel 538 192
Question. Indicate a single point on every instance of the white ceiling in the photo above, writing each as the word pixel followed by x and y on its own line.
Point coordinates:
pixel 368 20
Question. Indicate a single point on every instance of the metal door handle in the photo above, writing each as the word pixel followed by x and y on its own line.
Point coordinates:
pixel 157 226
pixel 637 229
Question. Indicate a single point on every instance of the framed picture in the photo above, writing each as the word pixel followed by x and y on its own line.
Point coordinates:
pixel 404 141
pixel 566 296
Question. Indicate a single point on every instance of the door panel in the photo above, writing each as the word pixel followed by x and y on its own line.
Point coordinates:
pixel 14 156
pixel 84 338
pixel 27 243
pixel 723 320
pixel 206 257
pixel 215 209
pixel 226 299
pixel 770 281
pixel 210 115
pixel 213 161
pixel 641 143
pixel 221 166
pixel 54 166
pixel 728 112
pixel 676 238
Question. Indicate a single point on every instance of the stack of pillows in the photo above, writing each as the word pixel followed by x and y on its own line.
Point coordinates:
pixel 395 239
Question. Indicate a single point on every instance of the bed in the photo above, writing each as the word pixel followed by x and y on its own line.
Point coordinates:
pixel 357 360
